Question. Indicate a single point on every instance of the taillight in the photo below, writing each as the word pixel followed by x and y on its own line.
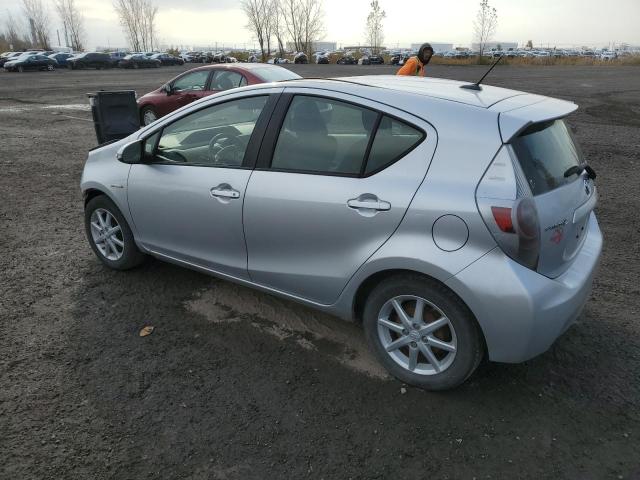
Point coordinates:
pixel 502 216
pixel 508 209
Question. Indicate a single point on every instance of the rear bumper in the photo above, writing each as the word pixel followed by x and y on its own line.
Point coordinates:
pixel 521 312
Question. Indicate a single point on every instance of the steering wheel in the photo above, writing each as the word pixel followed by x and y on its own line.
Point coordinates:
pixel 223 146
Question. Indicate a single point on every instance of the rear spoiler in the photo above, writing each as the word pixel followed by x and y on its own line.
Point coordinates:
pixel 514 120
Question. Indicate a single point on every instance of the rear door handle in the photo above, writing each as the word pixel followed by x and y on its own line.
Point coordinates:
pixel 224 190
pixel 369 204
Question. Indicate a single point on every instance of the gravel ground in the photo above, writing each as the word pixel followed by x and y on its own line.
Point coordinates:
pixel 234 384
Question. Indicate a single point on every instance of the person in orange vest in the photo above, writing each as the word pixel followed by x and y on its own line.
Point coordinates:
pixel 414 66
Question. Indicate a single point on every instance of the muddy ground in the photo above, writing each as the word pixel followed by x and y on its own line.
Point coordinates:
pixel 234 384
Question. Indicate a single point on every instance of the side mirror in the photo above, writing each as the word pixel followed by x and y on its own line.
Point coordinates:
pixel 131 152
pixel 166 88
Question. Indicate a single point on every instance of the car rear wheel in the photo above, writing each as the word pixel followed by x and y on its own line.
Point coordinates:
pixel 148 115
pixel 51 68
pixel 109 235
pixel 422 332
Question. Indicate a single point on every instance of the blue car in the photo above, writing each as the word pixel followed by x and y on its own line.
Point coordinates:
pixel 61 58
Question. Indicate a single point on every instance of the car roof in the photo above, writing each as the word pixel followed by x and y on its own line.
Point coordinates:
pixel 239 65
pixel 440 88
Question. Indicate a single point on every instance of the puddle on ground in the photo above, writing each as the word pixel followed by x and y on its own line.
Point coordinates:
pixel 226 303
pixel 30 108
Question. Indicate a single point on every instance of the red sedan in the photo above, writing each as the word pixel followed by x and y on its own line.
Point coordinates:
pixel 203 81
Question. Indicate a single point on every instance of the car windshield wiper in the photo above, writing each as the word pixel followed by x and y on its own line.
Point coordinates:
pixel 578 169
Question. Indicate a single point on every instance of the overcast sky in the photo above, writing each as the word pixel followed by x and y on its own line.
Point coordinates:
pixel 552 22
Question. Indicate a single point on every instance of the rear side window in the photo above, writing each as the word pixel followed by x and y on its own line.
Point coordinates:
pixel 393 140
pixel 323 136
pixel 225 79
pixel 545 152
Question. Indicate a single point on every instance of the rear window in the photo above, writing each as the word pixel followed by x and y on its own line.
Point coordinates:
pixel 545 152
pixel 274 74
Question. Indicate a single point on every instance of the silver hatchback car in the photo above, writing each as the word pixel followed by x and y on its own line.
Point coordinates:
pixel 453 223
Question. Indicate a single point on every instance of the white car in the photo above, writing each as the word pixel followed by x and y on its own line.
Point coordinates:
pixel 608 55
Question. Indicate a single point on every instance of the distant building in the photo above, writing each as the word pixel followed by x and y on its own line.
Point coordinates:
pixel 325 46
pixel 437 47
pixel 491 45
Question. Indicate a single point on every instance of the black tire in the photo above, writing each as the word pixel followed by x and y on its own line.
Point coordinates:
pixel 131 255
pixel 470 342
pixel 20 69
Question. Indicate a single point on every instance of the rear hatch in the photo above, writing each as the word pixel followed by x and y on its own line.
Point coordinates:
pixel 553 167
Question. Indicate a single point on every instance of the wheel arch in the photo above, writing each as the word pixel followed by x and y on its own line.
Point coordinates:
pixel 91 193
pixel 374 279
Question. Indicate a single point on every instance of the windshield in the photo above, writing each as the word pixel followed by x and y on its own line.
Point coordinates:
pixel 545 152
pixel 275 74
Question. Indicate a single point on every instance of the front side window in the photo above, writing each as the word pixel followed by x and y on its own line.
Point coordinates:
pixel 192 81
pixel 216 136
pixel 323 136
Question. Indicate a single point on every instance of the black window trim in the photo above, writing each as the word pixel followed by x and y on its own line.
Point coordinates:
pixel 251 153
pixel 270 140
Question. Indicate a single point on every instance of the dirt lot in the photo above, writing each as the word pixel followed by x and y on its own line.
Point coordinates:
pixel 234 384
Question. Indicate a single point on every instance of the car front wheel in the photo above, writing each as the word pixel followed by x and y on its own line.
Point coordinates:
pixel 422 332
pixel 109 235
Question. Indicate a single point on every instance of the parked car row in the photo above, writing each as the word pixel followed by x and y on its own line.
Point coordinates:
pixel 207 57
pixel 551 53
pixel 42 60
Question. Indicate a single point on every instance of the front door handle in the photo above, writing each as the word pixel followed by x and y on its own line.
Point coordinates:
pixel 369 203
pixel 224 190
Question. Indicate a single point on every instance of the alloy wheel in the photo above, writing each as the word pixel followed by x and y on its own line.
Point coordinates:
pixel 107 234
pixel 417 335
pixel 148 117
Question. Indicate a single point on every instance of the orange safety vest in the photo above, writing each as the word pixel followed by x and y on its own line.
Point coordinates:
pixel 413 67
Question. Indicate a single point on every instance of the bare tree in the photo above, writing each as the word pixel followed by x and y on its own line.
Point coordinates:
pixel 304 21
pixel 485 25
pixel 138 20
pixel 374 28
pixel 290 11
pixel 73 22
pixel 258 23
pixel 15 34
pixel 148 26
pixel 38 19
pixel 278 26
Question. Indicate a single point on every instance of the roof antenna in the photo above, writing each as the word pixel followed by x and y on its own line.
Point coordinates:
pixel 476 86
